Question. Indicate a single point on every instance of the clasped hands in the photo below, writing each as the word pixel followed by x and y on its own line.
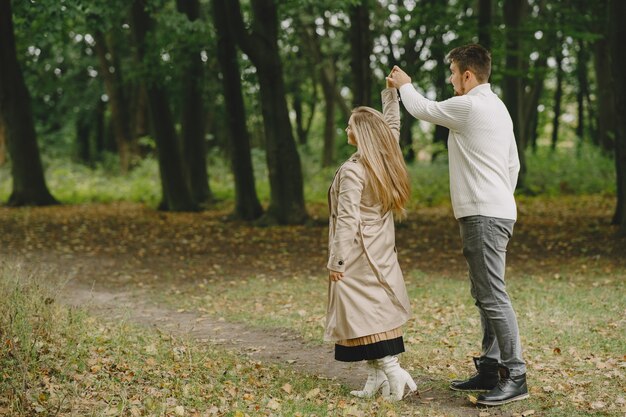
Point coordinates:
pixel 397 78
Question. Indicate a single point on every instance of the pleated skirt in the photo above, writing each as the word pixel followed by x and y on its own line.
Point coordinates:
pixel 370 347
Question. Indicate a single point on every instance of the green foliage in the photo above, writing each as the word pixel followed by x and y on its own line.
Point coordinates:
pixel 566 171
pixel 583 170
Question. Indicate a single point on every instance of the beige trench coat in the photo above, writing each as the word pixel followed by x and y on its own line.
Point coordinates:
pixel 371 297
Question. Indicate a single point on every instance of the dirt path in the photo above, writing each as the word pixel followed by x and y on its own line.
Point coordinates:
pixel 130 251
pixel 277 346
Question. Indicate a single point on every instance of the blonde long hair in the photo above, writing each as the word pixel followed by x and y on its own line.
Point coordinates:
pixel 382 158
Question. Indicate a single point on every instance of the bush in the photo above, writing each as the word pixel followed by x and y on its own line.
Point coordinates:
pixel 586 170
pixel 565 171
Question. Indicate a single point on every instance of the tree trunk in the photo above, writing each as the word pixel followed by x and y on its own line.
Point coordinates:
pixel 285 171
pixel 606 118
pixel 361 45
pixel 139 110
pixel 99 135
pixel 617 34
pixel 441 87
pixel 328 80
pixel 558 94
pixel 512 83
pixel 485 22
pixel 583 88
pixel 530 115
pixel 247 205
pixel 303 125
pixel 176 193
pixel 328 88
pixel 411 57
pixel 3 144
pixel 83 134
pixel 120 113
pixel 29 185
pixel 301 133
pixel 194 149
pixel 406 136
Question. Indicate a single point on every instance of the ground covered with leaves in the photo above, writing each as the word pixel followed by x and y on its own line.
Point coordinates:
pixel 566 273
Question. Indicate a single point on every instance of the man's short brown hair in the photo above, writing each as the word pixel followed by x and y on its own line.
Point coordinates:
pixel 474 58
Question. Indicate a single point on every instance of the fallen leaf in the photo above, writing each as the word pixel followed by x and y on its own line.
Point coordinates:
pixel 472 399
pixel 596 405
pixel 353 411
pixel 287 388
pixel 273 404
pixel 179 410
pixel 313 393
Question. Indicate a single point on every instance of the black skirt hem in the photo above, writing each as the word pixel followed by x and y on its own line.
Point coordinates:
pixel 369 352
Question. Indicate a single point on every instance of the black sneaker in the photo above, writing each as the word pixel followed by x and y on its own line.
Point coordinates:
pixel 485 379
pixel 509 388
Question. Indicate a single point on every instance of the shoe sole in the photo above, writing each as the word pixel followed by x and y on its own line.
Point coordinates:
pixel 519 397
pixel 469 390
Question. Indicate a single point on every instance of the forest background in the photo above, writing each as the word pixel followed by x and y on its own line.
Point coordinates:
pixel 191 144
pixel 182 104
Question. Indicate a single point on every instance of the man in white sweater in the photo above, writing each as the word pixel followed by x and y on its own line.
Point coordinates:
pixel 484 166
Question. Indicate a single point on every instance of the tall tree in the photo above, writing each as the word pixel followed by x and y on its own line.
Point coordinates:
pixel 605 91
pixel 407 56
pixel 361 45
pixel 3 144
pixel 485 22
pixel 536 71
pixel 326 67
pixel 558 93
pixel 176 192
pixel 617 34
pixel 285 171
pixel 441 87
pixel 247 205
pixel 512 84
pixel 29 185
pixel 582 92
pixel 111 71
pixel 192 112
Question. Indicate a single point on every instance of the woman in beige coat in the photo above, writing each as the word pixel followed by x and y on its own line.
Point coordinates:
pixel 367 298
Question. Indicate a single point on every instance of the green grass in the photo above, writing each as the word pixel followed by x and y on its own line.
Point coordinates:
pixel 60 361
pixel 572 329
pixel 566 171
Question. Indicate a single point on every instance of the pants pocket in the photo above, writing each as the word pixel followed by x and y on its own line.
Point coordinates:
pixel 501 233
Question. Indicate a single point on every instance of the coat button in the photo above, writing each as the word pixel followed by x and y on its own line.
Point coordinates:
pixel 340 262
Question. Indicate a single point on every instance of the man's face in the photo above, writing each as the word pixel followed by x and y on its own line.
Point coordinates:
pixel 456 79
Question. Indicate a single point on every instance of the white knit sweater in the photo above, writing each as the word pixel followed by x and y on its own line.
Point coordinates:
pixel 483 159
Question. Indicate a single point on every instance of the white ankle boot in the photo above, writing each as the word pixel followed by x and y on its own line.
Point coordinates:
pixel 376 380
pixel 398 378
